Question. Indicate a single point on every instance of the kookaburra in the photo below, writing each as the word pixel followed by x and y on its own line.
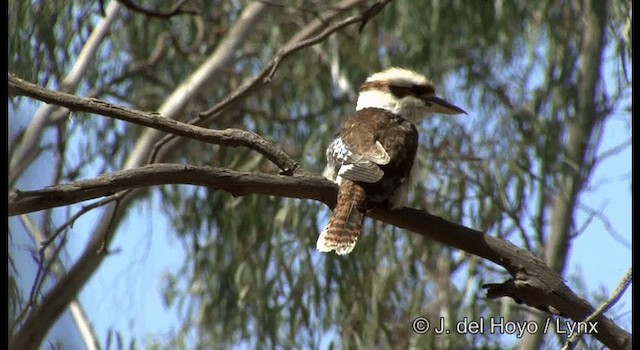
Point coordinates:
pixel 372 159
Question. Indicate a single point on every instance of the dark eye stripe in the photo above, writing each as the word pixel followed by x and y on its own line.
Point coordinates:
pixel 415 90
pixel 400 91
pixel 422 90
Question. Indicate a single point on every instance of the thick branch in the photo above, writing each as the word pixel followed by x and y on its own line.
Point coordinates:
pixel 234 182
pixel 228 137
pixel 533 283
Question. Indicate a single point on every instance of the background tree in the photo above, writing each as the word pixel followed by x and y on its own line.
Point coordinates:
pixel 534 77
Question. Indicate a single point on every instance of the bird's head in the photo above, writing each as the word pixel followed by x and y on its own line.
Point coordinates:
pixel 404 92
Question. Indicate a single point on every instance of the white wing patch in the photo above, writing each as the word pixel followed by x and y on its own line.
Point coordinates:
pixel 381 157
pixel 364 172
pixel 336 155
pixel 343 163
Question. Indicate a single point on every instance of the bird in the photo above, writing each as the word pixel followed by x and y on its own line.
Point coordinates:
pixel 373 157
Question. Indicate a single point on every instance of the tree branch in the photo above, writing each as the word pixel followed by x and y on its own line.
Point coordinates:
pixel 176 9
pixel 293 46
pixel 21 158
pixel 228 137
pixel 298 42
pixel 235 182
pixel 533 282
pixel 617 294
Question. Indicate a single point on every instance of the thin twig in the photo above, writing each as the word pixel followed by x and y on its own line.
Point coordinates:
pixel 31 301
pixel 300 8
pixel 613 151
pixel 44 264
pixel 268 71
pixel 112 221
pixel 598 214
pixel 617 294
pixel 85 209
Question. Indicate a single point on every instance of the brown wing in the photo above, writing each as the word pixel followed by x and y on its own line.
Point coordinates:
pixel 397 136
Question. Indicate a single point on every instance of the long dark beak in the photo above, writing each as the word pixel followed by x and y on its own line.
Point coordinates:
pixel 441 106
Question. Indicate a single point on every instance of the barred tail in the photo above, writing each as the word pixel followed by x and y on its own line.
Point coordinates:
pixel 346 220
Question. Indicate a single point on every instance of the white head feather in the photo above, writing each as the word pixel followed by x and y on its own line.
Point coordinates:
pixel 376 93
